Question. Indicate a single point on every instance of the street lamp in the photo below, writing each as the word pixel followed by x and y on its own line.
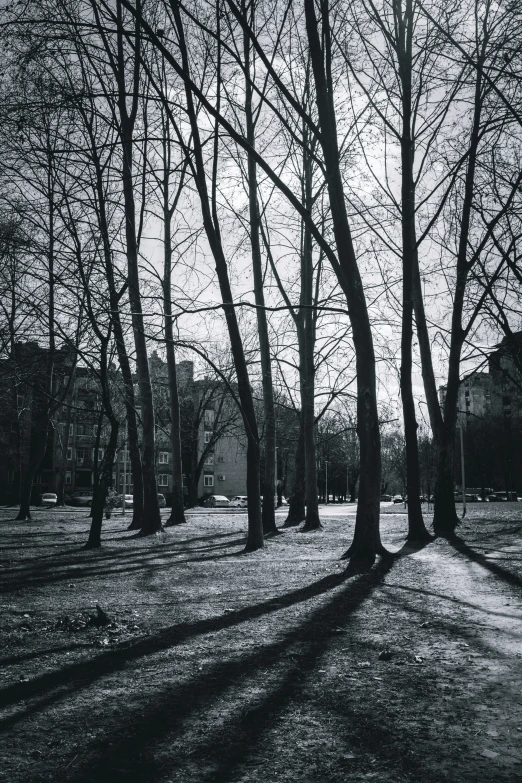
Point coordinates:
pixel 463 470
pixel 326 463
pixel 124 468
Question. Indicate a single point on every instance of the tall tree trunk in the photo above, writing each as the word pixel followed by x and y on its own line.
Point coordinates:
pixel 104 483
pixel 445 517
pixel 121 348
pixel 367 541
pixel 404 25
pixel 42 399
pixel 268 510
pixel 296 509
pixel 96 462
pixel 37 445
pixel 211 226
pixel 306 340
pixel 151 522
pixel 151 513
pixel 60 489
pixel 177 515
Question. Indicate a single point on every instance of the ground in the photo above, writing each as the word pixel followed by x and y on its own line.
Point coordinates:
pixel 217 666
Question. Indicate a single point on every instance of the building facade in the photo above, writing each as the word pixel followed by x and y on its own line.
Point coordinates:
pixel 213 447
pixel 490 412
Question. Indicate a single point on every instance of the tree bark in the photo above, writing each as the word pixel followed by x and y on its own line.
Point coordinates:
pixel 367 542
pixel 151 513
pixel 38 445
pixel 177 514
pixel 104 483
pixel 297 509
pixel 404 25
pixel 255 528
pixel 268 510
pixel 306 339
pixel 121 348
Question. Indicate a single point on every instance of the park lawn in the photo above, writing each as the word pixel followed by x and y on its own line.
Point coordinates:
pixel 219 666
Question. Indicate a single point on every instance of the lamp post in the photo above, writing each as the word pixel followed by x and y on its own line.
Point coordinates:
pixel 276 482
pixel 463 469
pixel 326 463
pixel 124 469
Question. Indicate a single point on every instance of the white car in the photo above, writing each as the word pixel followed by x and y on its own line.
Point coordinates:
pixel 239 501
pixel 216 501
pixel 129 501
pixel 49 499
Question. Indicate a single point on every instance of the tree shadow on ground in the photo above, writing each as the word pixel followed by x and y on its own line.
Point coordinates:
pixel 507 576
pixel 58 684
pixel 131 755
pixel 11 660
pixel 80 563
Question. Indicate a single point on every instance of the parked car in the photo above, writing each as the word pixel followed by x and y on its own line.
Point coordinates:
pixel 398 499
pixel 81 498
pixel 502 497
pixel 239 501
pixel 386 498
pixel 161 500
pixel 470 497
pixel 129 501
pixel 216 501
pixel 49 499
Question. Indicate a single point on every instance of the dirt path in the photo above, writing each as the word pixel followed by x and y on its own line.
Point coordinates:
pixel 223 667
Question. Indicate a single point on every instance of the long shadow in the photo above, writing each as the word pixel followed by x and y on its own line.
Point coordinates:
pixel 131 756
pixel 83 673
pixel 108 551
pixel 449 599
pixel 464 549
pixel 117 561
pixel 10 660
pixel 117 568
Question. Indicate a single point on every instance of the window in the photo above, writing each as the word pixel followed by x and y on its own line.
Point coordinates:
pixel 71 429
pixel 81 430
pixel 69 453
pixel 163 457
pixel 81 456
pixel 209 459
pixel 208 480
pixel 68 477
pixel 163 480
pixel 208 436
pixel 19 401
pixel 100 454
pixel 209 417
